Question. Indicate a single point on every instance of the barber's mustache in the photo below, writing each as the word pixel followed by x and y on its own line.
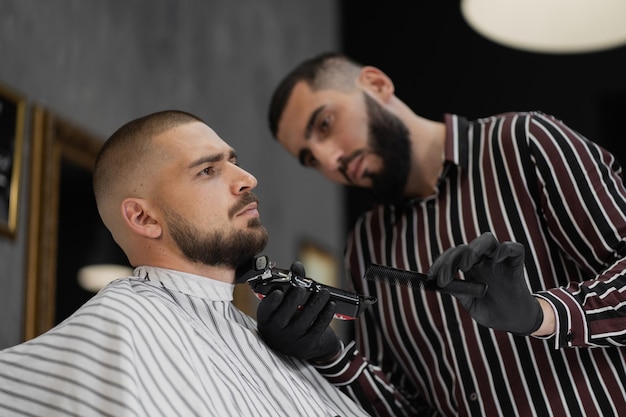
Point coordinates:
pixel 345 161
pixel 246 199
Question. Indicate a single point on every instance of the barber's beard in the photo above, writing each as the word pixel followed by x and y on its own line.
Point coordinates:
pixel 389 138
pixel 217 247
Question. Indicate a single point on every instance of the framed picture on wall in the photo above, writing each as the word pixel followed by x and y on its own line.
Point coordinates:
pixel 12 108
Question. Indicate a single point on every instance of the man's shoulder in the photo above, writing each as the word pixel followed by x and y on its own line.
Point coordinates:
pixel 127 297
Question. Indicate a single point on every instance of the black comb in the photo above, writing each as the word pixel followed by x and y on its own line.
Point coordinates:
pixel 414 279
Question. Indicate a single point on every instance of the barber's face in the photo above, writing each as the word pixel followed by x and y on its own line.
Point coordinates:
pixel 389 139
pixel 208 206
pixel 349 137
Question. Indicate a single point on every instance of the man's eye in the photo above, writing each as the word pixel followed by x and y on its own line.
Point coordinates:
pixel 207 171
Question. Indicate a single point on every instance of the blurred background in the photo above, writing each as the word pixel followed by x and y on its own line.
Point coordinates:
pixel 94 65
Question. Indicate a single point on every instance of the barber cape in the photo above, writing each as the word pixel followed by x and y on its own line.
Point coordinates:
pixel 162 343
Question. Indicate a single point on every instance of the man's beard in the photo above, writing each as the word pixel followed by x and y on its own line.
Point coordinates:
pixel 388 138
pixel 218 248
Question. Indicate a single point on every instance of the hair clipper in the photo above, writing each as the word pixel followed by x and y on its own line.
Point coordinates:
pixel 264 277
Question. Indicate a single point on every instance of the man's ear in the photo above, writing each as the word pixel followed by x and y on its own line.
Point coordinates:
pixel 376 82
pixel 137 215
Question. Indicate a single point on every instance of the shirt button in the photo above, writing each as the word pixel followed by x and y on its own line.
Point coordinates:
pixel 570 336
pixel 473 396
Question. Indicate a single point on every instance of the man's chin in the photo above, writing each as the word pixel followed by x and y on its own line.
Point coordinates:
pixel 261 236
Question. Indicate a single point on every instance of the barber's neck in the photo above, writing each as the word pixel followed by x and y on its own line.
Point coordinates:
pixel 427 157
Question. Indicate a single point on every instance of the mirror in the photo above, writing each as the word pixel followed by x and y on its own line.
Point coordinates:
pixel 64 229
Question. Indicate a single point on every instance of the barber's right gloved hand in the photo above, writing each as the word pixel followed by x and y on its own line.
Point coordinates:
pixel 508 303
pixel 297 322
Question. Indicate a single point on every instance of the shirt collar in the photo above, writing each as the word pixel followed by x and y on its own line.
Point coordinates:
pixel 455 151
pixel 190 284
pixel 457 139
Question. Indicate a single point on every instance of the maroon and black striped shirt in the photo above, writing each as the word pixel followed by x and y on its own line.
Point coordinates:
pixel 525 177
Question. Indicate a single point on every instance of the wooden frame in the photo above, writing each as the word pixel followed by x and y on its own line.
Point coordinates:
pixel 53 139
pixel 12 113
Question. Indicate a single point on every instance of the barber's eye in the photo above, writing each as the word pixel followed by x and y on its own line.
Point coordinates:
pixel 325 124
pixel 310 161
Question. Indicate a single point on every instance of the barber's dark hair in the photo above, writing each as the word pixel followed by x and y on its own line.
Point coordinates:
pixel 326 70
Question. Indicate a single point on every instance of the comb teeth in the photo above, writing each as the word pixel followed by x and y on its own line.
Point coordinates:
pixel 413 279
pixel 395 276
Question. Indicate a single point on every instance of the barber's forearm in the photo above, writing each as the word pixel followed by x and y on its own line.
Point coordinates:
pixel 548 327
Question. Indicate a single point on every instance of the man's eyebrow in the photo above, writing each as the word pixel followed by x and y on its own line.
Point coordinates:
pixel 212 158
pixel 311 122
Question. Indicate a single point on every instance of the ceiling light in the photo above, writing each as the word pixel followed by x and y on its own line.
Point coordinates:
pixel 549 26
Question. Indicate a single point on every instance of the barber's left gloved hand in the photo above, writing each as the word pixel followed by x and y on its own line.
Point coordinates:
pixel 508 303
pixel 297 322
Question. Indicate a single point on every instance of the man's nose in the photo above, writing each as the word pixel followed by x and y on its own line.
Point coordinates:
pixel 244 181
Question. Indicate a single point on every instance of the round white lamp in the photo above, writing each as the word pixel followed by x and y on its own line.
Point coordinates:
pixel 95 277
pixel 549 26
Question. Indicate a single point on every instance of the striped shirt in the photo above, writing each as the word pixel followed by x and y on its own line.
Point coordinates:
pixel 525 177
pixel 163 343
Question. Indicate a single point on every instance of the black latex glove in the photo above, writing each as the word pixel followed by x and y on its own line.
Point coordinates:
pixel 508 304
pixel 296 322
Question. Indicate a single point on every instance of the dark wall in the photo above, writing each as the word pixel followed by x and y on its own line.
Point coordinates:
pixel 440 65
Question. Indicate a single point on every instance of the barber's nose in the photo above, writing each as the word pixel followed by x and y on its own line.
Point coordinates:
pixel 328 155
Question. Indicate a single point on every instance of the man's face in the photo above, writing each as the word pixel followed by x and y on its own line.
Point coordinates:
pixel 208 208
pixel 217 247
pixel 349 137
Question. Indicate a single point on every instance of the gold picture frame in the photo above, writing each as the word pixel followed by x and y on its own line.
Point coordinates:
pixel 12 113
pixel 53 140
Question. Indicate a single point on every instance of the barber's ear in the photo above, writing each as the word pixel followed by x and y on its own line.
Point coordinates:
pixel 137 215
pixel 376 82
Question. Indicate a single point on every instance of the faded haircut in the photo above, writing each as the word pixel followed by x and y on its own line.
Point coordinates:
pixel 130 148
pixel 329 70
